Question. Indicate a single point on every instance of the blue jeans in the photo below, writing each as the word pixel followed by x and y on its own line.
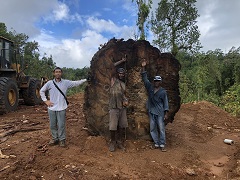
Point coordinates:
pixel 157 129
pixel 57 124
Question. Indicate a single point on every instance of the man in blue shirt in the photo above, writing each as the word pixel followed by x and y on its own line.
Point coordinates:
pixel 57 105
pixel 157 106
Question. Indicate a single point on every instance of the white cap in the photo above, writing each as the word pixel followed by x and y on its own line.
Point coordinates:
pixel 157 78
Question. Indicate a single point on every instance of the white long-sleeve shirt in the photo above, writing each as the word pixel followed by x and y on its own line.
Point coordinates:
pixel 59 102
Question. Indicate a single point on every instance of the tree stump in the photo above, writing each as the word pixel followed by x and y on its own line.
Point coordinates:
pixel 97 90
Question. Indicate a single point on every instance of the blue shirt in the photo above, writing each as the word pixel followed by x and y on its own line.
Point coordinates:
pixel 59 102
pixel 157 102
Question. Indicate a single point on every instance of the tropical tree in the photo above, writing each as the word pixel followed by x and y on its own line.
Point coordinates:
pixel 174 26
pixel 144 7
pixel 3 31
pixel 231 66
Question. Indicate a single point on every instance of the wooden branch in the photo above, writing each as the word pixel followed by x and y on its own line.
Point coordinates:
pixel 17 129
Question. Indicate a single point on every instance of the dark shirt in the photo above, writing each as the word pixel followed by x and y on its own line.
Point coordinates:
pixel 117 95
pixel 157 102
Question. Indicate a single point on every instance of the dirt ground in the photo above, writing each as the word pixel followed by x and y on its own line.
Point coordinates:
pixel 195 147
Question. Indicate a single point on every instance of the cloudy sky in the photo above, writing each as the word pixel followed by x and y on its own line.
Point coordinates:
pixel 72 30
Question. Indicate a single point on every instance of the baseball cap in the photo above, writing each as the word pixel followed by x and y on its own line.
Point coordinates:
pixel 121 70
pixel 157 78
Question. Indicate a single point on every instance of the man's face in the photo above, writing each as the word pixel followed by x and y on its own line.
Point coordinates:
pixel 57 73
pixel 121 76
pixel 157 84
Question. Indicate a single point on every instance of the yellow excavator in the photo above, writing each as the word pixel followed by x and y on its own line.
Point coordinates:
pixel 14 84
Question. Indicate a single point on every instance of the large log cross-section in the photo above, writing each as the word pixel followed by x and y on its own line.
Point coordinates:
pixel 102 66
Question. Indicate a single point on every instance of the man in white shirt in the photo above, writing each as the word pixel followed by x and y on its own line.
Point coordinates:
pixel 57 105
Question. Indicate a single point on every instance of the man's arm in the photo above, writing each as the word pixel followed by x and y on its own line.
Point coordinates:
pixel 165 106
pixel 125 99
pixel 71 84
pixel 166 115
pixel 43 96
pixel 120 61
pixel 42 92
pixel 144 75
pixel 113 71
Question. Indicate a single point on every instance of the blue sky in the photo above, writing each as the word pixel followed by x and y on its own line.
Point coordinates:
pixel 72 30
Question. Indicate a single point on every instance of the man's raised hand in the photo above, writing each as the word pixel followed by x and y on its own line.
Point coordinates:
pixel 124 59
pixel 144 62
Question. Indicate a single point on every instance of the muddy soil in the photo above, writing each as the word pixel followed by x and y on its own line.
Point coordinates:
pixel 195 147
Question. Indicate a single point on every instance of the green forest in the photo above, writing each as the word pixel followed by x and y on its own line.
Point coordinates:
pixel 213 76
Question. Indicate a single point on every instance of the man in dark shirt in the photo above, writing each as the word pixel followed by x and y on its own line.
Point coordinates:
pixel 117 108
pixel 157 106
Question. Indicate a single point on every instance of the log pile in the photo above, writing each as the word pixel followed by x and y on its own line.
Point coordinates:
pixel 102 66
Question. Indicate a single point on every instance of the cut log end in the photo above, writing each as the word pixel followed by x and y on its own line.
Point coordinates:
pixel 102 67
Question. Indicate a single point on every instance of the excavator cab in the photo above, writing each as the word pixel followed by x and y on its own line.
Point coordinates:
pixel 5 46
pixel 14 84
pixel 7 60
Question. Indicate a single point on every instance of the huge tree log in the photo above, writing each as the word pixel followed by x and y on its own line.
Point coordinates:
pixel 102 65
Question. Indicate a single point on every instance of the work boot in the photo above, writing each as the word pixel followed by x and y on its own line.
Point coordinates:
pixel 53 142
pixel 120 145
pixel 62 143
pixel 162 148
pixel 120 139
pixel 113 141
pixel 112 146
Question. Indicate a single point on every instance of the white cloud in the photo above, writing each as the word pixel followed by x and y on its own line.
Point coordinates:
pixel 72 53
pixel 127 32
pixel 23 15
pixel 45 38
pixel 77 53
pixel 217 24
pixel 102 25
pixel 206 22
pixel 61 12
pixel 130 7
